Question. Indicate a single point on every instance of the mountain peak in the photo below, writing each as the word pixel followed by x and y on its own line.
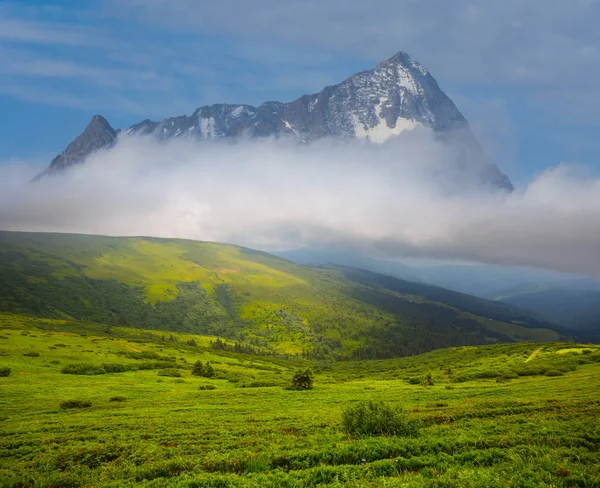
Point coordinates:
pixel 100 122
pixel 98 135
pixel 397 96
pixel 399 58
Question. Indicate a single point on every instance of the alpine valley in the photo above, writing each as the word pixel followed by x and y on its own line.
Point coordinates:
pixel 152 362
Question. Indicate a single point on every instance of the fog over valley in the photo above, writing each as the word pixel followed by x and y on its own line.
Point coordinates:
pixel 409 197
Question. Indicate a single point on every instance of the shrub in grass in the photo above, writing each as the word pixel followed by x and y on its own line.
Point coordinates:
pixel 554 372
pixel 169 372
pixel 370 418
pixel 506 377
pixel 117 399
pixel 461 378
pixel 143 355
pixel 205 370
pixel 32 354
pixel 115 368
pixel 303 380
pixel 4 372
pixel 146 366
pixel 428 380
pixel 75 404
pixel 82 369
pixel 207 387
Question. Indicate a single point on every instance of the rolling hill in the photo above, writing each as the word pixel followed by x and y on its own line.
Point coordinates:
pixel 246 295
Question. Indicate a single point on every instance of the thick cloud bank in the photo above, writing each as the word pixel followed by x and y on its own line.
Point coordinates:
pixel 404 198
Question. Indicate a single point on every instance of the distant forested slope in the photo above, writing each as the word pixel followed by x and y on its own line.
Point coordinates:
pixel 238 293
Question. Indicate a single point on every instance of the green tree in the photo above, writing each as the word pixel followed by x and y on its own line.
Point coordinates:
pixel 209 372
pixel 201 369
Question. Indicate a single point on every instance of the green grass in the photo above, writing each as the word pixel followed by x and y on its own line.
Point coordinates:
pixel 244 295
pixel 475 428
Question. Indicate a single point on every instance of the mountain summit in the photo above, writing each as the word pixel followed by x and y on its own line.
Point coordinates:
pixel 97 135
pixel 398 95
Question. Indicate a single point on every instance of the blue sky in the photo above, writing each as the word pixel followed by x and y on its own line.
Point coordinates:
pixel 524 72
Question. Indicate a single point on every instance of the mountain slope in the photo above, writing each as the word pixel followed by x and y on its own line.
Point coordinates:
pixel 239 293
pixel 578 310
pixel 320 257
pixel 398 95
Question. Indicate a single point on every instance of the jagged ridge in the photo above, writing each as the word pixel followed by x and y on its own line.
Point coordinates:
pixel 397 95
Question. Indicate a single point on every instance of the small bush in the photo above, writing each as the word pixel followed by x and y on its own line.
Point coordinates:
pixel 54 361
pixel 117 399
pixel 461 378
pixel 144 355
pixel 82 369
pixel 554 372
pixel 32 354
pixel 75 404
pixel 303 380
pixel 115 368
pixel 414 380
pixel 207 387
pixel 260 384
pixel 173 373
pixel 449 387
pixel 427 380
pixel 205 370
pixel 4 372
pixel 370 418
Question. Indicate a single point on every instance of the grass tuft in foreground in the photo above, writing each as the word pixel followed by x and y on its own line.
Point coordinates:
pixel 369 418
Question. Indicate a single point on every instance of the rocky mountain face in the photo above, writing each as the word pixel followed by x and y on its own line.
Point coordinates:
pixel 97 135
pixel 398 95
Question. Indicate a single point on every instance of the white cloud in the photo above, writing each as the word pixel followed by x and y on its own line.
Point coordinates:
pixel 404 198
pixel 514 41
pixel 30 31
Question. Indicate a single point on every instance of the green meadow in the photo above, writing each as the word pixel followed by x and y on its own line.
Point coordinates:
pixel 520 415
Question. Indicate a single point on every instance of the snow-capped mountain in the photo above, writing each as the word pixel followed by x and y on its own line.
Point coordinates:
pixel 398 95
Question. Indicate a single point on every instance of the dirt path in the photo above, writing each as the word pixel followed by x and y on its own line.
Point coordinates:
pixel 131 348
pixel 534 354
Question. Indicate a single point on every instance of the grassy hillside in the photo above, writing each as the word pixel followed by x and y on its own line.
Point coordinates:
pixel 522 415
pixel 237 293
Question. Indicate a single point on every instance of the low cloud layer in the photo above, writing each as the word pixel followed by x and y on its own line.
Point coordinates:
pixel 404 198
